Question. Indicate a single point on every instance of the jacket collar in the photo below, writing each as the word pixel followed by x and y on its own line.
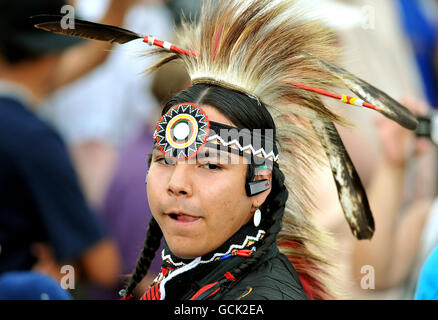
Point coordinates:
pixel 210 267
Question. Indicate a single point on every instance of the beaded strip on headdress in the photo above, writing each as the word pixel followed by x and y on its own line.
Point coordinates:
pixel 185 129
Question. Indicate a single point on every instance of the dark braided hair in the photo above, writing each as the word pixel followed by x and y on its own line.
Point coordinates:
pixel 272 214
pixel 151 244
pixel 244 112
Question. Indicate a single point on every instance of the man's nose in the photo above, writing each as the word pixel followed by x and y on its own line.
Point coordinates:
pixel 180 183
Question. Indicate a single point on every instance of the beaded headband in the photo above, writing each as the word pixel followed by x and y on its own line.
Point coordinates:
pixel 184 130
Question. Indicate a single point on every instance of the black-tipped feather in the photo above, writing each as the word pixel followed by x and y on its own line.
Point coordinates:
pixel 351 192
pixel 387 105
pixel 86 29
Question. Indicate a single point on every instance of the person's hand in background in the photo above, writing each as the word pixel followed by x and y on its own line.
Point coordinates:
pixel 395 243
pixel 398 142
pixel 46 262
pixel 100 264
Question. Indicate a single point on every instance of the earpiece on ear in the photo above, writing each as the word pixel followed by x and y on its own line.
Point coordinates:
pixel 255 187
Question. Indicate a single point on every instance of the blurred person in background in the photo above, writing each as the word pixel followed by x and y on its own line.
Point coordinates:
pixel 45 220
pixel 403 188
pixel 377 49
pixel 101 111
pixel 407 232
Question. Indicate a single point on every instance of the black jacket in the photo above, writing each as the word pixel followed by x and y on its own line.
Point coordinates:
pixel 272 278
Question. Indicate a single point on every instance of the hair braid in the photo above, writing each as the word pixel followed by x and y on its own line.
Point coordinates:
pixel 151 244
pixel 273 209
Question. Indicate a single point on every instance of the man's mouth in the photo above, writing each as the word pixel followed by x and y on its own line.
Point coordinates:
pixel 182 217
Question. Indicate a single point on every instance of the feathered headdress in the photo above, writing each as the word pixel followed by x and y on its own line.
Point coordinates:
pixel 270 50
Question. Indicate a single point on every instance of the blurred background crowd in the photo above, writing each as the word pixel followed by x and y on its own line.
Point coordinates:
pixel 76 124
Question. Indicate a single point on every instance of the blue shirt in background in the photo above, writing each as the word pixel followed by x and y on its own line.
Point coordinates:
pixel 427 288
pixel 423 35
pixel 40 197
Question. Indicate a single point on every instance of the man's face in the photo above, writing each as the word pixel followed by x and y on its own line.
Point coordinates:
pixel 201 204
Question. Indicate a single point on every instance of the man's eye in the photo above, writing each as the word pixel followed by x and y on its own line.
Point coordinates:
pixel 167 161
pixel 211 166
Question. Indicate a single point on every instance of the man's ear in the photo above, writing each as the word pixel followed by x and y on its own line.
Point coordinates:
pixel 260 187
